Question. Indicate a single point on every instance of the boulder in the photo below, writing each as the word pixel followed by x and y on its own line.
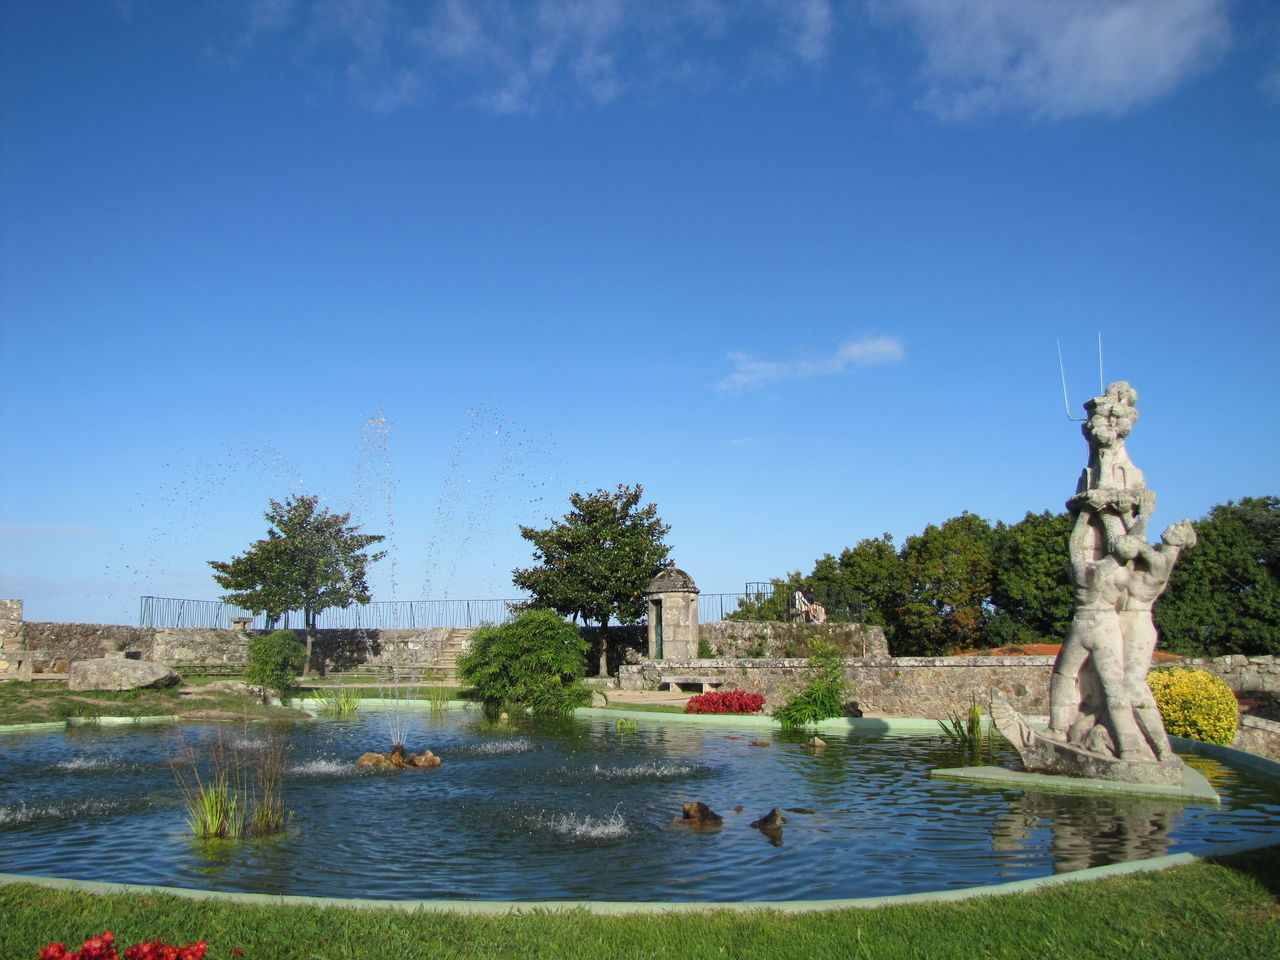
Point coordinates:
pixel 117 673
pixel 773 820
pixel 698 814
pixel 816 743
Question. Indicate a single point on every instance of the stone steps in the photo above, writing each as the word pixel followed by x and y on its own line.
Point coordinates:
pixel 454 645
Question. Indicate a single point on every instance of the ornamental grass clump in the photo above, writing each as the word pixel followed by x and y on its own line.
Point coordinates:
pixel 823 696
pixel 238 793
pixel 725 701
pixel 965 730
pixel 338 701
pixel 1195 704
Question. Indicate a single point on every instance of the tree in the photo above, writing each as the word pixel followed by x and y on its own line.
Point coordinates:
pixel 946 583
pixel 596 563
pixel 1031 583
pixel 866 584
pixel 311 560
pixel 1224 595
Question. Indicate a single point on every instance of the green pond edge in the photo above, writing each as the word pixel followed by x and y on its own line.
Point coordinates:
pixel 865 725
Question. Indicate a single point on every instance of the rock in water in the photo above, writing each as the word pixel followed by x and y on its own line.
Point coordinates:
pixel 399 760
pixel 698 814
pixel 817 743
pixel 773 820
pixel 117 673
pixel 425 760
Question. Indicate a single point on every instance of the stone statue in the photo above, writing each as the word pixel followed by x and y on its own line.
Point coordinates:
pixel 1103 721
pixel 1151 571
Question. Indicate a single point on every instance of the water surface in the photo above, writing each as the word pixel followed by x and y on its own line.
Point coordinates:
pixel 576 810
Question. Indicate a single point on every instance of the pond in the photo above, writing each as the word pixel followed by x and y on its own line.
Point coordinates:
pixel 578 810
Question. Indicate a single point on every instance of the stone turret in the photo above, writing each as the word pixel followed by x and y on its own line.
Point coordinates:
pixel 673 615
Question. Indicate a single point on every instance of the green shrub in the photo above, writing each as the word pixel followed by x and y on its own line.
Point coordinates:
pixel 823 696
pixel 275 661
pixel 534 661
pixel 1195 704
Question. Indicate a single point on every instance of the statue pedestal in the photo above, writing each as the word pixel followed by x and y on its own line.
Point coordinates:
pixel 1042 754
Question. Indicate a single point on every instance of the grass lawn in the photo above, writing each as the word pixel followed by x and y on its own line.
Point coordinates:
pixel 644 707
pixel 1217 909
pixel 41 701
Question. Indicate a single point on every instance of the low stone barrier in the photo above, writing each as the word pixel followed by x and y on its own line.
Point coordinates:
pixel 765 639
pixel 1242 674
pixel 1258 736
pixel 886 686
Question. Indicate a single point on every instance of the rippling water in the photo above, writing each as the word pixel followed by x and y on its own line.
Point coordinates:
pixel 576 810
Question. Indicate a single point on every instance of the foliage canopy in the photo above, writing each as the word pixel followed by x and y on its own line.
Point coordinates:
pixel 966 584
pixel 597 561
pixel 1224 595
pixel 310 560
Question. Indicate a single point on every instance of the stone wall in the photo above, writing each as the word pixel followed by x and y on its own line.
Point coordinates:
pixel 754 638
pixel 64 643
pixel 334 651
pixel 226 650
pixel 1244 675
pixel 893 687
pixel 1258 736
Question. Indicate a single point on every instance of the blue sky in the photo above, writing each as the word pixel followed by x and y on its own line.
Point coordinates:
pixel 799 267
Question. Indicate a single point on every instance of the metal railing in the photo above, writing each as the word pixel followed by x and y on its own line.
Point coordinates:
pixel 165 612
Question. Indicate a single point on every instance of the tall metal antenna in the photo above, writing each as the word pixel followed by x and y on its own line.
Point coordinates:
pixel 1101 387
pixel 1066 404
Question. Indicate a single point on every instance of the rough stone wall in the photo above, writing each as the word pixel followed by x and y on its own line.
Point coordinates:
pixel 11 625
pixel 1258 736
pixel 897 687
pixel 1244 675
pixel 220 650
pixel 67 642
pixel 753 638
pixel 333 650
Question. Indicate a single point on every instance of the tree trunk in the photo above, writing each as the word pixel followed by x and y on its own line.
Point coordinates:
pixel 604 647
pixel 309 623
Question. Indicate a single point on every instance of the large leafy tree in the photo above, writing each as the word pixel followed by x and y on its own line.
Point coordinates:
pixel 1224 595
pixel 1031 584
pixel 310 560
pixel 859 586
pixel 596 562
pixel 946 583
pixel 866 583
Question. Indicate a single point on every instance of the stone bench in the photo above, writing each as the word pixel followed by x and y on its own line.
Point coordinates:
pixel 22 662
pixel 676 683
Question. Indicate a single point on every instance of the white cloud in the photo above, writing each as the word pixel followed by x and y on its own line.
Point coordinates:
pixel 1057 58
pixel 516 55
pixel 869 351
pixel 807 26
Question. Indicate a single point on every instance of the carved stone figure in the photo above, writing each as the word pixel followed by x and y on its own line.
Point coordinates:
pixel 1103 721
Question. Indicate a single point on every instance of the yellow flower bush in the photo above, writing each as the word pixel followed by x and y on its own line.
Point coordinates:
pixel 1195 704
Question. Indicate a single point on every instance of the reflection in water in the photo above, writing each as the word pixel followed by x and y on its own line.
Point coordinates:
pixel 1087 831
